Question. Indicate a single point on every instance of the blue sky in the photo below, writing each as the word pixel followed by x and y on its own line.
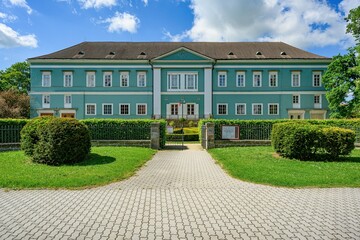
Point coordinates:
pixel 30 28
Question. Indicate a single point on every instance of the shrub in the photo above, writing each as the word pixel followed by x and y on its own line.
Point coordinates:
pixel 29 136
pixel 57 141
pixel 187 137
pixel 304 141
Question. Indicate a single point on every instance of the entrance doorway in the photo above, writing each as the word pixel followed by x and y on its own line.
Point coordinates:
pixel 68 115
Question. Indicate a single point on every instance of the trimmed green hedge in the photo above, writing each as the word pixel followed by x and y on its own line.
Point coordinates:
pixel 305 141
pixel 187 137
pixel 261 129
pixel 120 129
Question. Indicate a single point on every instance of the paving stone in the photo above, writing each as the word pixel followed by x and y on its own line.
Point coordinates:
pixel 181 195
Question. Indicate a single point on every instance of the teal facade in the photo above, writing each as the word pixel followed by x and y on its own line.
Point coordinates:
pixel 179 84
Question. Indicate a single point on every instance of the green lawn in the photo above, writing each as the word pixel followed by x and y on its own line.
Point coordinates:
pixel 261 165
pixel 105 165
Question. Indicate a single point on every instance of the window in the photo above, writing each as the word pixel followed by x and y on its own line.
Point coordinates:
pixel 124 109
pixel 141 79
pixel 124 79
pixel 295 79
pixel 107 109
pixel 222 79
pixel 46 101
pixel 273 109
pixel 257 79
pixel 68 79
pixel 107 79
pixel 173 81
pixel 191 81
pixel 316 79
pixel 296 101
pixel 257 109
pixel 190 109
pixel 240 79
pixel 90 109
pixel 141 109
pixel 46 79
pixel 273 79
pixel 174 109
pixel 67 101
pixel 317 101
pixel 90 79
pixel 222 109
pixel 240 109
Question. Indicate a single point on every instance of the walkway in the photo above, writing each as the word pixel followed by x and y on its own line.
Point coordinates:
pixel 181 195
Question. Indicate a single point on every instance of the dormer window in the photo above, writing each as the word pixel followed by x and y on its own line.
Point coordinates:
pixel 258 53
pixel 283 53
pixel 231 55
pixel 80 54
pixel 142 55
pixel 110 55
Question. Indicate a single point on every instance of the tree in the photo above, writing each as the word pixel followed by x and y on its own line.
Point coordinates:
pixel 353 26
pixel 14 104
pixel 16 77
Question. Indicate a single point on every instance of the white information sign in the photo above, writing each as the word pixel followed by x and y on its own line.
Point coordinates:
pixel 230 132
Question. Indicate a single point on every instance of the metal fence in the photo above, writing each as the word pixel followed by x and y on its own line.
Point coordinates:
pixel 10 134
pixel 255 132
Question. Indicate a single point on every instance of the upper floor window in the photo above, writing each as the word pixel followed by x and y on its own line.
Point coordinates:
pixel 316 79
pixel 240 79
pixel 240 109
pixel 295 79
pixel 46 101
pixel 222 109
pixel 317 101
pixel 257 79
pixel 191 81
pixel 273 109
pixel 222 79
pixel 124 79
pixel 107 79
pixel 141 79
pixel 90 79
pixel 273 79
pixel 46 79
pixel 173 81
pixel 68 79
pixel 257 109
pixel 296 101
pixel 67 101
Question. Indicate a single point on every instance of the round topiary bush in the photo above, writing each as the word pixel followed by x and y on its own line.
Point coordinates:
pixel 29 135
pixel 59 141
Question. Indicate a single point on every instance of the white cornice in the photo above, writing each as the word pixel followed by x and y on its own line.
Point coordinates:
pixel 92 93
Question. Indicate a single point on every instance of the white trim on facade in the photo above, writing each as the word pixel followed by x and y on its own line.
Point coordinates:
pixel 157 93
pixel 208 101
pixel 104 67
pixel 277 109
pixel 270 92
pixel 269 66
pixel 88 104
pixel 226 108
pixel 261 108
pixel 182 93
pixel 183 66
pixel 93 93
pixel 124 104
pixel 236 107
pixel 137 109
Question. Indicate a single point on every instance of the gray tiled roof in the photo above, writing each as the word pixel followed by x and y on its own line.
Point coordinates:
pixel 150 50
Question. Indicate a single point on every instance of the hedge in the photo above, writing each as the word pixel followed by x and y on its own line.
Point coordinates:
pixel 305 141
pixel 261 129
pixel 187 137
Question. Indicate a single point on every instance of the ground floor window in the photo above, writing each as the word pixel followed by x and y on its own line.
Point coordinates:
pixel 174 109
pixel 273 109
pixel 191 109
pixel 240 108
pixel 107 109
pixel 222 109
pixel 124 109
pixel 257 109
pixel 141 109
pixel 90 109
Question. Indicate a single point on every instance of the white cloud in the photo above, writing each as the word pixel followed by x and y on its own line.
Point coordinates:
pixel 97 3
pixel 7 18
pixel 307 23
pixel 11 38
pixel 146 2
pixel 21 3
pixel 122 22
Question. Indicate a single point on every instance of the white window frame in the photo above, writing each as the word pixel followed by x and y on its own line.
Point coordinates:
pixel 217 109
pixel 124 104
pixel 47 104
pixel 67 73
pixel 317 105
pixel 293 73
pixel 262 109
pixel 88 82
pixel 178 109
pixel 112 109
pixel 170 86
pixel 43 79
pixel 187 81
pixel 66 103
pixel 260 79
pixel 236 108
pixel 238 74
pixel 225 78
pixel 273 73
pixel 296 105
pixel 313 79
pixel 277 108
pixel 86 106
pixel 300 113
pixel 139 80
pixel 137 109
pixel 104 78
pixel 187 108
pixel 127 75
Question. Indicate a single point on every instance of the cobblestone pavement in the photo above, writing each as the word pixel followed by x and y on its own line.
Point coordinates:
pixel 181 195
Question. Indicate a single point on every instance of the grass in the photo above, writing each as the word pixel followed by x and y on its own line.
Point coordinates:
pixel 261 165
pixel 104 165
